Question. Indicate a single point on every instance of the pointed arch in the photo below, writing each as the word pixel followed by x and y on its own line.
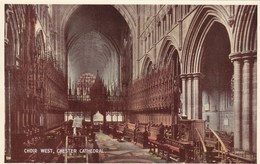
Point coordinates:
pixel 122 9
pixel 168 52
pixel 245 34
pixel 40 44
pixel 147 66
pixel 203 20
pixel 11 45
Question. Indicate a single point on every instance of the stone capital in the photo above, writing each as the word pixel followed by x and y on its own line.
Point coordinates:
pixel 183 76
pixel 198 75
pixel 246 60
pixel 235 56
pixel 190 76
pixel 243 55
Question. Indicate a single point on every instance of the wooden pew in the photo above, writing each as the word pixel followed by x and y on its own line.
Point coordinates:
pixel 181 148
pixel 142 135
pixel 130 131
pixel 164 147
pixel 153 143
pixel 120 130
pixel 111 128
pixel 175 150
pixel 153 132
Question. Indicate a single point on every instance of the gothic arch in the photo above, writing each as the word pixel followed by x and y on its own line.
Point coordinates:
pixel 168 48
pixel 40 44
pixel 15 28
pixel 128 13
pixel 11 36
pixel 245 38
pixel 147 66
pixel 120 8
pixel 39 32
pixel 202 22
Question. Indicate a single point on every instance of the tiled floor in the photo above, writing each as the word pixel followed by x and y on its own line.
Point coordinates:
pixel 123 152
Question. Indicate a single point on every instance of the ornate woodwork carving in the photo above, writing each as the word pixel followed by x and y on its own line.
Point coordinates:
pixel 154 92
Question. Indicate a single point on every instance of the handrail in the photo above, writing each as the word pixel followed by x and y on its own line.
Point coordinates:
pixel 219 139
pixel 201 140
pixel 234 156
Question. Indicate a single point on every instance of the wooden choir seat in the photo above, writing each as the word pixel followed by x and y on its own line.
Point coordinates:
pixel 142 135
pixel 154 131
pixel 120 131
pixel 111 127
pixel 172 148
pixel 166 148
pixel 154 145
pixel 130 131
pixel 152 138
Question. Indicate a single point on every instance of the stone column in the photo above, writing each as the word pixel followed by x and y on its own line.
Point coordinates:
pixel 33 113
pixel 35 118
pixel 189 97
pixel 66 116
pixel 197 97
pixel 170 120
pixel 180 32
pixel 32 116
pixel 245 105
pixel 237 108
pixel 18 122
pixel 184 106
pixel 27 118
pixel 8 112
pixel 22 118
pixel 254 104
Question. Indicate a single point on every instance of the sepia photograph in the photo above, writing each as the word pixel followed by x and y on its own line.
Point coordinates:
pixel 130 83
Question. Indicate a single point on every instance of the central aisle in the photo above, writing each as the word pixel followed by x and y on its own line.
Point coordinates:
pixel 123 152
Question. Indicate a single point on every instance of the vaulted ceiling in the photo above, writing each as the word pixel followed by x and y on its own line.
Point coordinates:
pixel 93 36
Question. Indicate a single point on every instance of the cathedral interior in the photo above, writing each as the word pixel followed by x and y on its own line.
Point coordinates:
pixel 130 83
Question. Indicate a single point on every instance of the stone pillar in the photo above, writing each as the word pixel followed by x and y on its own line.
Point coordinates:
pixel 66 116
pixel 8 112
pixel 197 98
pixel 237 102
pixel 254 104
pixel 27 118
pixel 244 100
pixel 170 120
pixel 32 118
pixel 184 105
pixel 245 104
pixel 18 124
pixel 35 117
pixel 180 32
pixel 23 119
pixel 189 97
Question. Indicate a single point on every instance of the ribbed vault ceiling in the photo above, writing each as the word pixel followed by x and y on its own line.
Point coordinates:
pixel 93 36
